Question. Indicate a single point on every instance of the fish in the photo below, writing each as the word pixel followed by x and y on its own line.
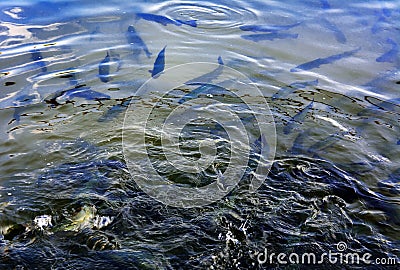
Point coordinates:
pixel 94 33
pixel 159 64
pixel 70 74
pixel 269 36
pixel 325 4
pixel 298 118
pixel 398 142
pixel 381 24
pixel 114 111
pixel 285 91
pixel 382 80
pixel 104 66
pixel 158 19
pixel 209 77
pixel 192 23
pixel 220 61
pixel 259 158
pixel 86 93
pixel 298 147
pixel 389 105
pixel 136 42
pixel 104 69
pixel 21 102
pixel 339 35
pixel 267 28
pixel 37 57
pixel 323 61
pixel 260 146
pixel 79 91
pixel 204 89
pixel 359 167
pixel 387 12
pixel 376 111
pixel 79 220
pixel 391 55
pixel 164 20
pixel 326 142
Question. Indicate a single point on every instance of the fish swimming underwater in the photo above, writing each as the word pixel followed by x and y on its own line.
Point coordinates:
pixel 390 56
pixel 269 36
pixel 209 77
pixel 164 20
pixel 159 64
pixel 70 74
pixel 297 119
pixel 204 89
pixel 21 102
pixel 298 147
pixel 285 91
pixel 267 28
pixel 105 64
pixel 136 43
pixel 114 111
pixel 220 61
pixel 323 61
pixel 383 79
pixel 37 57
pixel 192 23
pixel 259 148
pixel 157 18
pixel 339 35
pixel 325 4
pixel 79 91
pixel 94 33
pixel 381 24
pixel 104 69
pixel 325 143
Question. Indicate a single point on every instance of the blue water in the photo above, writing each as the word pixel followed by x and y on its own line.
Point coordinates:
pixel 70 71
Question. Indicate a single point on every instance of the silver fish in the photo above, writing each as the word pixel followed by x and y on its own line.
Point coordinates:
pixel 298 118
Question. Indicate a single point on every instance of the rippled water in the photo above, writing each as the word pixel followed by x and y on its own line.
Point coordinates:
pixel 329 71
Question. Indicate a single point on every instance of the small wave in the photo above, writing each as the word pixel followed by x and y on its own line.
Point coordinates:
pixel 208 14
